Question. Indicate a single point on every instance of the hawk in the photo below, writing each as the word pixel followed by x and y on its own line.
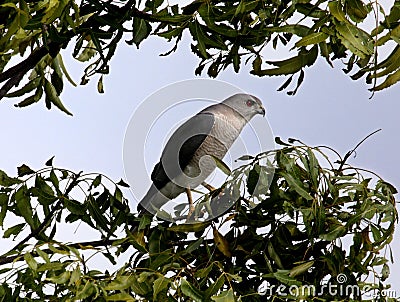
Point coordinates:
pixel 188 157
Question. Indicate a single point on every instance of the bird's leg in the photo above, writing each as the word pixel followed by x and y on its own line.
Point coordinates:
pixel 208 186
pixel 191 206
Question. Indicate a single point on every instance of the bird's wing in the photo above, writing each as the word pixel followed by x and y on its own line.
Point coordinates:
pixel 181 147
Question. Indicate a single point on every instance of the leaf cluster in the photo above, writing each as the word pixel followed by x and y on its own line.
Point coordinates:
pixel 302 224
pixel 224 34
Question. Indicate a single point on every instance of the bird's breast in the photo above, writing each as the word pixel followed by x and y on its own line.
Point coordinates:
pixel 216 144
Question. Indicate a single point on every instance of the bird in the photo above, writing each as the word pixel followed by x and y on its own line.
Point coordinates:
pixel 189 155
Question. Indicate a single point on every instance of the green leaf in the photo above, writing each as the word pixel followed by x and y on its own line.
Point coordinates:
pixel 60 250
pixel 14 230
pixel 390 64
pixel 333 234
pixel 235 277
pixel 49 162
pixel 279 141
pixel 313 38
pixel 192 227
pixel 31 99
pixel 24 205
pixel 3 206
pixel 193 246
pixel 43 189
pixel 298 29
pixel 389 81
pixel 245 157
pixel 356 10
pixel 120 297
pixel 88 52
pixel 58 61
pixel 51 266
pixel 203 272
pixel 141 29
pixel 75 276
pixel 301 269
pixel 25 89
pixel 160 260
pixel 191 291
pixel 297 186
pixel 43 254
pixel 54 180
pixel 274 255
pixel 120 283
pixel 385 272
pixel 85 291
pixel 100 86
pixel 31 261
pixel 122 183
pixel 290 66
pixel 173 19
pixel 57 82
pixel 52 11
pixel 159 285
pixel 215 286
pixel 241 8
pixel 52 96
pixel 224 296
pixel 61 278
pixel 7 181
pixel 118 194
pixel 222 243
pixel 222 166
pixel 173 32
pixel 24 170
pixel 354 39
pixel 313 168
pixel 283 276
pixel 75 207
pixel 253 178
pixel 145 220
pixel 335 7
pixel 97 181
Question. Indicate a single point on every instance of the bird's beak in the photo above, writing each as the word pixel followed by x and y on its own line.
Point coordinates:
pixel 261 110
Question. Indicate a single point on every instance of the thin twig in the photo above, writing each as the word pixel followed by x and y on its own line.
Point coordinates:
pixel 49 216
pixel 348 154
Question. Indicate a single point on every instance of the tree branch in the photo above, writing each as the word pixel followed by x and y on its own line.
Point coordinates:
pixel 89 244
pixel 13 81
pixel 98 243
pixel 14 74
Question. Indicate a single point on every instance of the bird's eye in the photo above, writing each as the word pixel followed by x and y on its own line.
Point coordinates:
pixel 249 103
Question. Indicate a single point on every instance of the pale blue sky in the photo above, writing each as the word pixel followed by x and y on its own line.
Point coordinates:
pixel 328 109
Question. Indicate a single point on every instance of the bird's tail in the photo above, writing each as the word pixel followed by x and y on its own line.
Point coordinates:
pixel 152 201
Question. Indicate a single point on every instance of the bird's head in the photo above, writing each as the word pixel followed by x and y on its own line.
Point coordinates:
pixel 246 105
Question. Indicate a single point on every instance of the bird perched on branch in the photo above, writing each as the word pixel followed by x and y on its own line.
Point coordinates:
pixel 188 157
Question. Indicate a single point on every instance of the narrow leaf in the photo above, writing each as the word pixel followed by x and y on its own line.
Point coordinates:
pixel 191 291
pixel 52 96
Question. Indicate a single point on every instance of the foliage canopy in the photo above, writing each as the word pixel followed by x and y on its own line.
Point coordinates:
pixel 224 33
pixel 320 222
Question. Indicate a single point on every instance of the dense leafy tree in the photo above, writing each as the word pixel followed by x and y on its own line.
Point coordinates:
pixel 319 228
pixel 225 33
pixel 305 225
